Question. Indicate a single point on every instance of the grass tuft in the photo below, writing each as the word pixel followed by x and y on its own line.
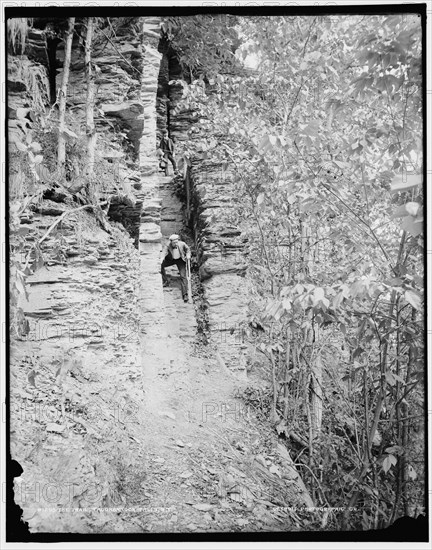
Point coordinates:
pixel 34 77
pixel 17 29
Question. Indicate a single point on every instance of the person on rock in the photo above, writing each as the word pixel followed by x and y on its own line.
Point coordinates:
pixel 163 163
pixel 176 252
pixel 167 147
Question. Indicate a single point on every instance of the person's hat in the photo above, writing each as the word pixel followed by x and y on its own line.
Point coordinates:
pixel 174 238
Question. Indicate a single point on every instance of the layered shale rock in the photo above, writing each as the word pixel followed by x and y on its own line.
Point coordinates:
pixel 150 215
pixel 220 244
pixel 119 116
pixel 130 118
pixel 221 247
pixel 83 317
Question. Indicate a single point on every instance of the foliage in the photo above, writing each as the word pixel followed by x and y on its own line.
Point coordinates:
pixel 325 141
pixel 205 44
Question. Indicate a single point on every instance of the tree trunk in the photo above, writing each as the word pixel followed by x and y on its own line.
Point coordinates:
pixel 381 397
pixel 61 152
pixel 400 465
pixel 306 257
pixel 316 396
pixel 90 126
pixel 275 388
pixel 287 368
pixel 405 424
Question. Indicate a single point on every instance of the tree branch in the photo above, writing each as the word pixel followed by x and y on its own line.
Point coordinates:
pixel 54 225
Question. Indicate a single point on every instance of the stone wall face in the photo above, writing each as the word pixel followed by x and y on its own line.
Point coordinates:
pixel 83 317
pixel 120 78
pixel 125 100
pixel 221 247
pixel 150 232
pixel 220 244
pixel 148 162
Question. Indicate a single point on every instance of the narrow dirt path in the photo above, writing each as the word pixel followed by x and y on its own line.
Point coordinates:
pixel 142 428
pixel 202 461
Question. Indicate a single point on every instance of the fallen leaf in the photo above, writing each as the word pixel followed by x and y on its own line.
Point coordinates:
pixel 186 474
pixel 275 470
pixel 248 497
pixel 180 443
pixel 229 480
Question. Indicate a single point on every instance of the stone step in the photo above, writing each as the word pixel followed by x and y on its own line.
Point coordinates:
pixel 150 233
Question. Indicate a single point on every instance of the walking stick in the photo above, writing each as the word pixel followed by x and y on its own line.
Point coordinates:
pixel 188 276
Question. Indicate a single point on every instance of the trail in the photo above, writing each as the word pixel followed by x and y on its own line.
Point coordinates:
pixel 198 445
pixel 144 426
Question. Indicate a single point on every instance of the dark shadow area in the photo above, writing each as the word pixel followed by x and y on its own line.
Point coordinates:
pixel 17 529
pixel 124 211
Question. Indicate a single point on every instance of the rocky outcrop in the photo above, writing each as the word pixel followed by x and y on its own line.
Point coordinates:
pixel 84 319
pixel 119 116
pixel 36 47
pixel 148 162
pixel 74 373
pixel 219 243
pixel 127 212
pixel 130 117
pixel 221 247
pixel 152 60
